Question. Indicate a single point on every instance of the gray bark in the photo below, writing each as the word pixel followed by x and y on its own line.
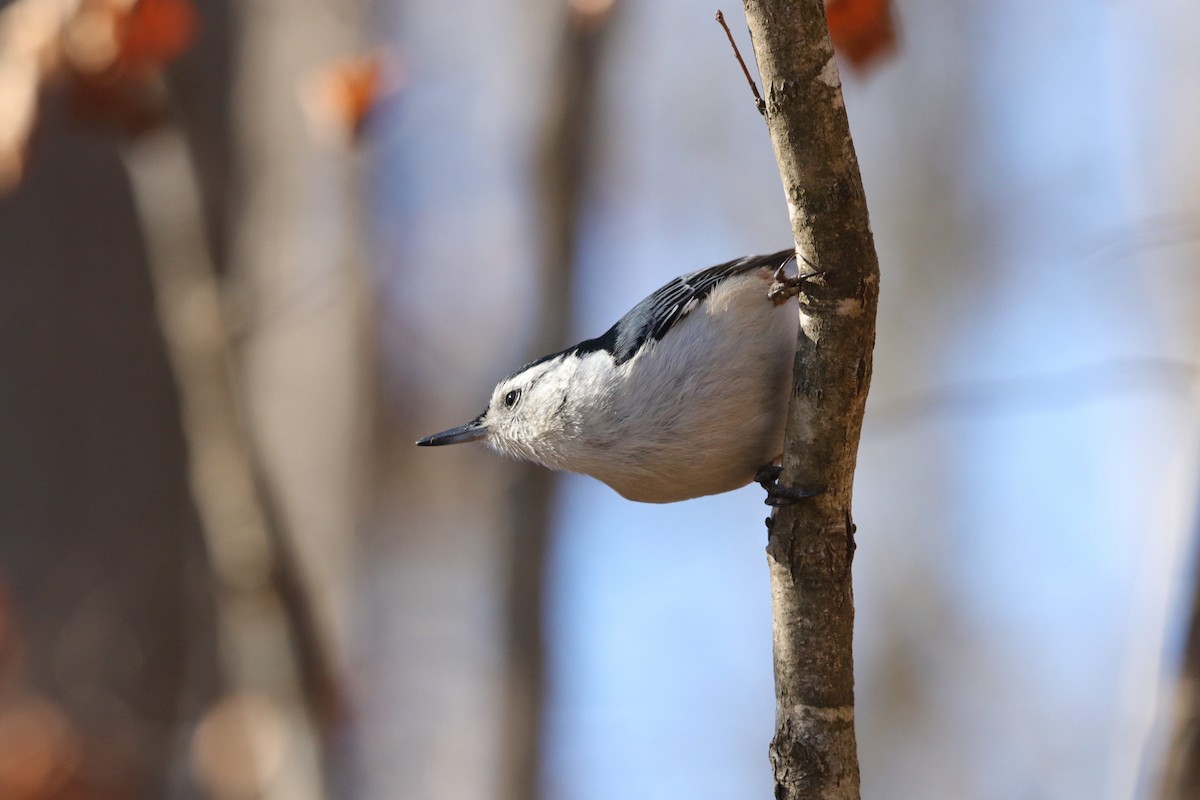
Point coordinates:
pixel 811 544
pixel 1180 775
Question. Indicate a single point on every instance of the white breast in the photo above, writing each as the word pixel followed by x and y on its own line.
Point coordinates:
pixel 699 411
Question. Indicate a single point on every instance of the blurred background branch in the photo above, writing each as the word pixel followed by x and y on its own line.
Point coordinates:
pixel 107 60
pixel 562 165
pixel 266 647
pixel 1178 777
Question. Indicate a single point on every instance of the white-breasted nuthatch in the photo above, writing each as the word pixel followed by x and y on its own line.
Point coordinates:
pixel 685 396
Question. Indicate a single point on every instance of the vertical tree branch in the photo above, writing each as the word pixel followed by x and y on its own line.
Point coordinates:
pixel 811 544
pixel 1179 774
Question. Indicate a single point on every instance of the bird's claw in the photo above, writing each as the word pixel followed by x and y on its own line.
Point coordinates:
pixel 777 495
pixel 788 286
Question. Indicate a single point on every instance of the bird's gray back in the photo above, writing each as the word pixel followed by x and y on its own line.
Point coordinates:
pixel 662 310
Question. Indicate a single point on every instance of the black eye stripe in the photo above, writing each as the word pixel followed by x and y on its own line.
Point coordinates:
pixel 512 398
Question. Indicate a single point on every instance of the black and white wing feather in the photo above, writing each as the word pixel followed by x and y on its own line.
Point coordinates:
pixel 650 319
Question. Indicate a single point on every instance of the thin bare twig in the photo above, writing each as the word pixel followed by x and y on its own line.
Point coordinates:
pixel 759 103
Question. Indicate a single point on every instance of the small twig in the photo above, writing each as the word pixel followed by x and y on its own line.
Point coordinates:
pixel 759 103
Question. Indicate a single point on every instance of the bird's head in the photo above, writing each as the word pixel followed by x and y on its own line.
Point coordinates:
pixel 530 413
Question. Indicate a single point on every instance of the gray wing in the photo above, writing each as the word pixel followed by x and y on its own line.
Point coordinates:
pixel 650 319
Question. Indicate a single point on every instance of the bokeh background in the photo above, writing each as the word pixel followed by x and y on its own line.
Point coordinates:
pixel 250 250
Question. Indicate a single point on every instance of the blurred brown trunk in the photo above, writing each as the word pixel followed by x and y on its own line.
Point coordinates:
pixel 103 550
pixel 265 634
pixel 100 548
pixel 562 181
pixel 296 265
pixel 105 587
pixel 272 393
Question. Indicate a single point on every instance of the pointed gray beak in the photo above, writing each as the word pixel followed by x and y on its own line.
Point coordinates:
pixel 472 431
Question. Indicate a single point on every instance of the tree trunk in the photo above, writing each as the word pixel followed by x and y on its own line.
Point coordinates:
pixel 1181 769
pixel 811 544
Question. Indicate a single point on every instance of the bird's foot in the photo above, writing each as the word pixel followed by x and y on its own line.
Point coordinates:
pixel 787 286
pixel 777 495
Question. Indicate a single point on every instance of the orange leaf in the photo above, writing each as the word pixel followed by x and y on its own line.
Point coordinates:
pixel 862 30
pixel 355 87
pixel 342 96
pixel 156 32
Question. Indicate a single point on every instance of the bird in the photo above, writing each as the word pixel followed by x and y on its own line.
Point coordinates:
pixel 685 396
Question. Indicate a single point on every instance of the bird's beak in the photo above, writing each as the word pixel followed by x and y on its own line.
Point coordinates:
pixel 472 431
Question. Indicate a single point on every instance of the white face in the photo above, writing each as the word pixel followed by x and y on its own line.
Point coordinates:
pixel 529 415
